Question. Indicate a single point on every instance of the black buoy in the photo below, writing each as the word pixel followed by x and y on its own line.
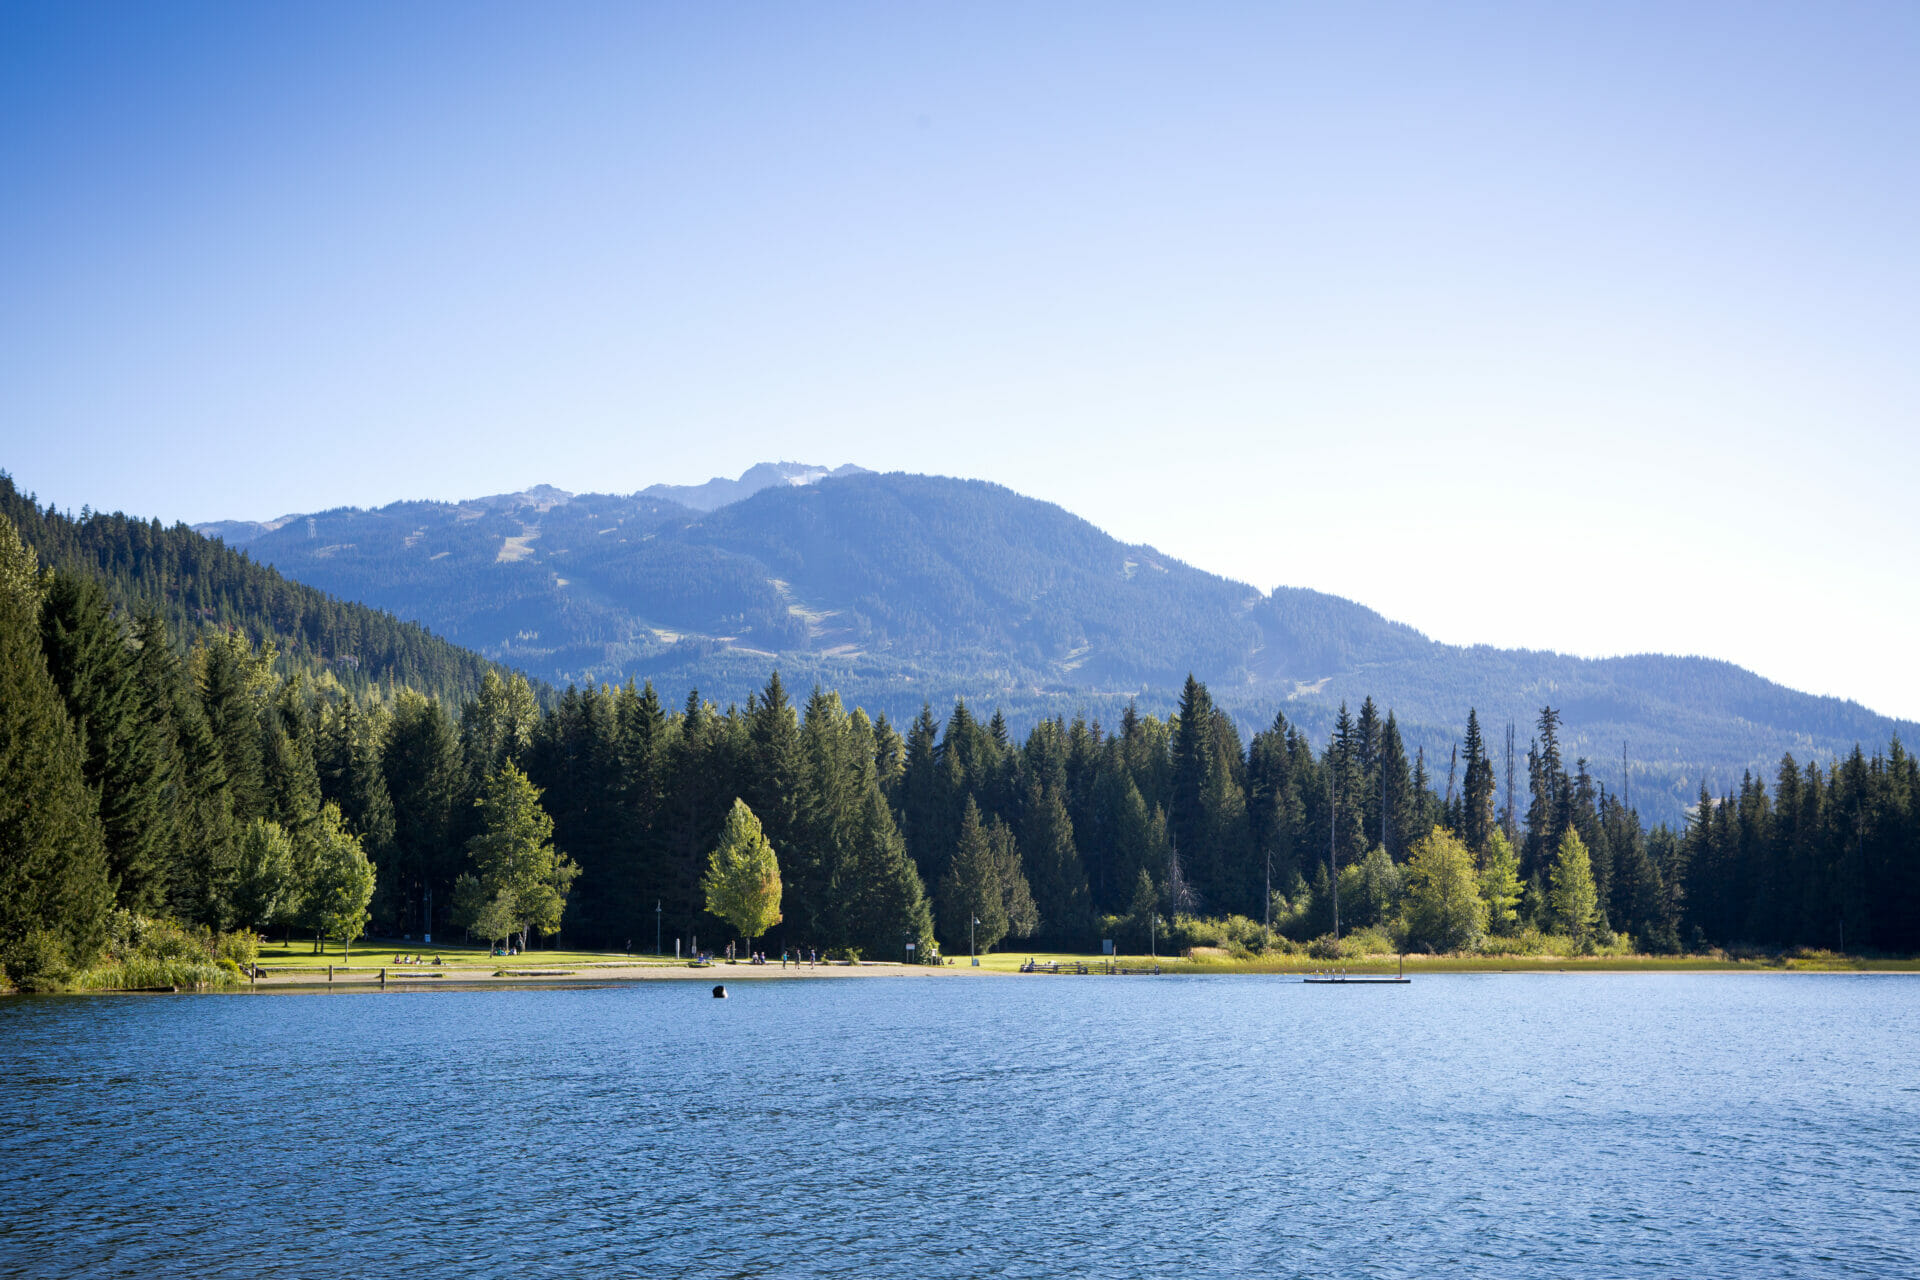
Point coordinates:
pixel 719 993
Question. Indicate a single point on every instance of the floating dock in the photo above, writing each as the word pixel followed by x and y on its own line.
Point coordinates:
pixel 1329 977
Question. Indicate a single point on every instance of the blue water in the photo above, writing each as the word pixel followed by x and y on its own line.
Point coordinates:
pixel 1657 1125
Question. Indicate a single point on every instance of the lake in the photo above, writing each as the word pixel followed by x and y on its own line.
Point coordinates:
pixel 1620 1125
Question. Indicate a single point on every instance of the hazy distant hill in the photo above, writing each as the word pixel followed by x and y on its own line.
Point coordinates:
pixel 898 588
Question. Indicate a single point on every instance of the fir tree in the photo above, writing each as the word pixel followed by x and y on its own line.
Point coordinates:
pixel 1053 866
pixel 55 890
pixel 92 664
pixel 1476 812
pixel 972 900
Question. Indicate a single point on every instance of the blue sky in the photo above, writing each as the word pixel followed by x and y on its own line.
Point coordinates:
pixel 1589 328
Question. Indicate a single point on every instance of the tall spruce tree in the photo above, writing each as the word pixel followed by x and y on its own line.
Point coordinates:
pixel 55 890
pixel 1476 813
pixel 971 898
pixel 1058 883
pixel 89 656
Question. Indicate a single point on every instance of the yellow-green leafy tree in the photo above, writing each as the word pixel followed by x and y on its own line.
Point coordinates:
pixel 1574 899
pixel 1500 883
pixel 342 883
pixel 742 882
pixel 1445 911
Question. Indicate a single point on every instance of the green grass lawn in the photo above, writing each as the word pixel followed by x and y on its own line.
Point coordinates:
pixel 375 952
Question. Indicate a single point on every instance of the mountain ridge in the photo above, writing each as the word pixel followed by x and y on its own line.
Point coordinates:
pixel 896 589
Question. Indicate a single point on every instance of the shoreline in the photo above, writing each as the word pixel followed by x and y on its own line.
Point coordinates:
pixel 591 973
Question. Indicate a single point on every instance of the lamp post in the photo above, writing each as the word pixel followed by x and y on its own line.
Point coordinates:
pixel 972 920
pixel 656 926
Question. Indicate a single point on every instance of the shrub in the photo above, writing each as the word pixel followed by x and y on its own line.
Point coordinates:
pixel 144 953
pixel 1376 940
pixel 37 962
pixel 1327 947
pixel 1237 935
pixel 1186 932
pixel 241 948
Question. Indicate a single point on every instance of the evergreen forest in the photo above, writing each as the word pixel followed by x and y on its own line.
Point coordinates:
pixel 151 771
pixel 196 586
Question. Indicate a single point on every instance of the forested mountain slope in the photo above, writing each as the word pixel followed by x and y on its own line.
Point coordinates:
pixel 194 584
pixel 897 589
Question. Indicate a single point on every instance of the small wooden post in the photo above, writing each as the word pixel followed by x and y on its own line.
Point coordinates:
pixel 329 973
pixel 383 977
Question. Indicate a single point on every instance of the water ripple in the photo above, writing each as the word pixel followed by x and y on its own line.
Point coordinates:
pixel 1633 1125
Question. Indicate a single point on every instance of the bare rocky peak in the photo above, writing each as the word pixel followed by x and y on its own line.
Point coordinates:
pixel 720 491
pixel 541 497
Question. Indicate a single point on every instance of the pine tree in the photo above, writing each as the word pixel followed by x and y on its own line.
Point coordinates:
pixel 55 890
pixel 497 726
pixel 88 655
pixel 292 775
pixel 1188 819
pixel 1402 800
pixel 1477 791
pixel 1547 783
pixel 889 904
pixel 971 899
pixel 1053 866
pixel 351 776
pixel 420 765
pixel 775 782
pixel 201 873
pixel 1016 897
pixel 233 679
pixel 921 800
pixel 1142 908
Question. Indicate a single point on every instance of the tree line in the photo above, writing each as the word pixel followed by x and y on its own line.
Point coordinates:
pixel 222 790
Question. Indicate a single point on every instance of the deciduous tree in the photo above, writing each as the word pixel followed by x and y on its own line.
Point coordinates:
pixel 1575 902
pixel 742 883
pixel 1444 908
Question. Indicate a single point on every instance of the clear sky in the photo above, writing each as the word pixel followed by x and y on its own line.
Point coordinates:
pixel 1592 328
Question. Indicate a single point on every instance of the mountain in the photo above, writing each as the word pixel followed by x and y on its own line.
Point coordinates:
pixel 894 589
pixel 720 491
pixel 197 584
